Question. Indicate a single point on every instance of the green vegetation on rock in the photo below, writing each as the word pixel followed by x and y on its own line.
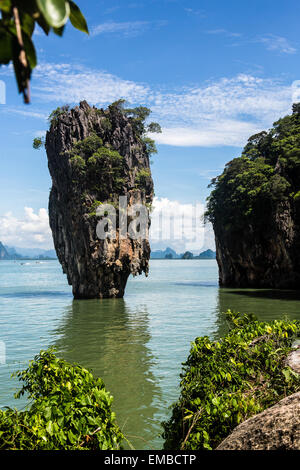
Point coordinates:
pixel 137 118
pixel 56 113
pixel 142 176
pixel 227 381
pixel 99 164
pixel 38 142
pixel 266 175
pixel 70 410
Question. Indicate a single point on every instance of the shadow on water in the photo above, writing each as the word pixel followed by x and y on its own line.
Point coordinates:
pixel 111 339
pixel 265 304
pixel 269 294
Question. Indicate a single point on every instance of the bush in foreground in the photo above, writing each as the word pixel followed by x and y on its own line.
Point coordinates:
pixel 70 410
pixel 225 382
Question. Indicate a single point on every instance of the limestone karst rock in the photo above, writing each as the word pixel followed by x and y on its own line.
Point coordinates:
pixel 276 428
pixel 95 156
pixel 255 211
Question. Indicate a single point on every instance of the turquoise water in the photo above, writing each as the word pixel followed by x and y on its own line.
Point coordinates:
pixel 136 344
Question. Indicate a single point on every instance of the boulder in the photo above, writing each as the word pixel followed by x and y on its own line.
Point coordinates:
pixel 276 428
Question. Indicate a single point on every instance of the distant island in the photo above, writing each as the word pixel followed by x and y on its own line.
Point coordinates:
pixel 13 253
pixel 254 209
pixel 169 253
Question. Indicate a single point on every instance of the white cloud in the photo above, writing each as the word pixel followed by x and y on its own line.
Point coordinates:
pixel 130 28
pixel 66 83
pixel 172 224
pixel 25 113
pixel 224 32
pixel 192 11
pixel 225 111
pixel 233 133
pixel 32 230
pixel 179 226
pixel 126 28
pixel 277 43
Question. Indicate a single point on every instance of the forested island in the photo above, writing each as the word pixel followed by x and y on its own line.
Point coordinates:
pixel 94 157
pixel 255 210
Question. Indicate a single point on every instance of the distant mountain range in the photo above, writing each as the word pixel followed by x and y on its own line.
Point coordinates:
pixel 11 252
pixel 3 252
pixel 169 253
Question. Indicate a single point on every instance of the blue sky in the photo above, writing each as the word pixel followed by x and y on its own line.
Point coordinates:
pixel 213 72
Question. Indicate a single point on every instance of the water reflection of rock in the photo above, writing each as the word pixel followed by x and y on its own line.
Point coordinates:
pixel 111 339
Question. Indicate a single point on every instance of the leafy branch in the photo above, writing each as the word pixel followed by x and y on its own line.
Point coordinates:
pixel 17 25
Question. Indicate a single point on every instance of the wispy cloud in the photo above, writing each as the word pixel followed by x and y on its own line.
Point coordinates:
pixel 22 112
pixel 277 43
pixel 130 28
pixel 127 29
pixel 216 133
pixel 271 42
pixel 111 9
pixel 196 12
pixel 223 112
pixel 224 32
pixel 215 113
pixel 66 83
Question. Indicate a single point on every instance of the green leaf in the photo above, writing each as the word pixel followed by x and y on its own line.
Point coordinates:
pixel 77 19
pixel 47 413
pixel 30 51
pixel 56 12
pixel 27 23
pixel 5 47
pixel 29 7
pixel 71 437
pixel 43 24
pixel 49 428
pixel 59 31
pixel 5 5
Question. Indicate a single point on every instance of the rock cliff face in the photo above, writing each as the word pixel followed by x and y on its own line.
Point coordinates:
pixel 260 256
pixel 95 156
pixel 255 211
pixel 277 428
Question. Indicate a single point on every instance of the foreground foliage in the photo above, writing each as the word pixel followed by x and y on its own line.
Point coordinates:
pixel 71 410
pixel 225 382
pixel 17 25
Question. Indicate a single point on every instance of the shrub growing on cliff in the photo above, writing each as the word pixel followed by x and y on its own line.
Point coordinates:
pixel 100 164
pixel 71 410
pixel 138 118
pixel 56 113
pixel 225 382
pixel 142 177
pixel 38 142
